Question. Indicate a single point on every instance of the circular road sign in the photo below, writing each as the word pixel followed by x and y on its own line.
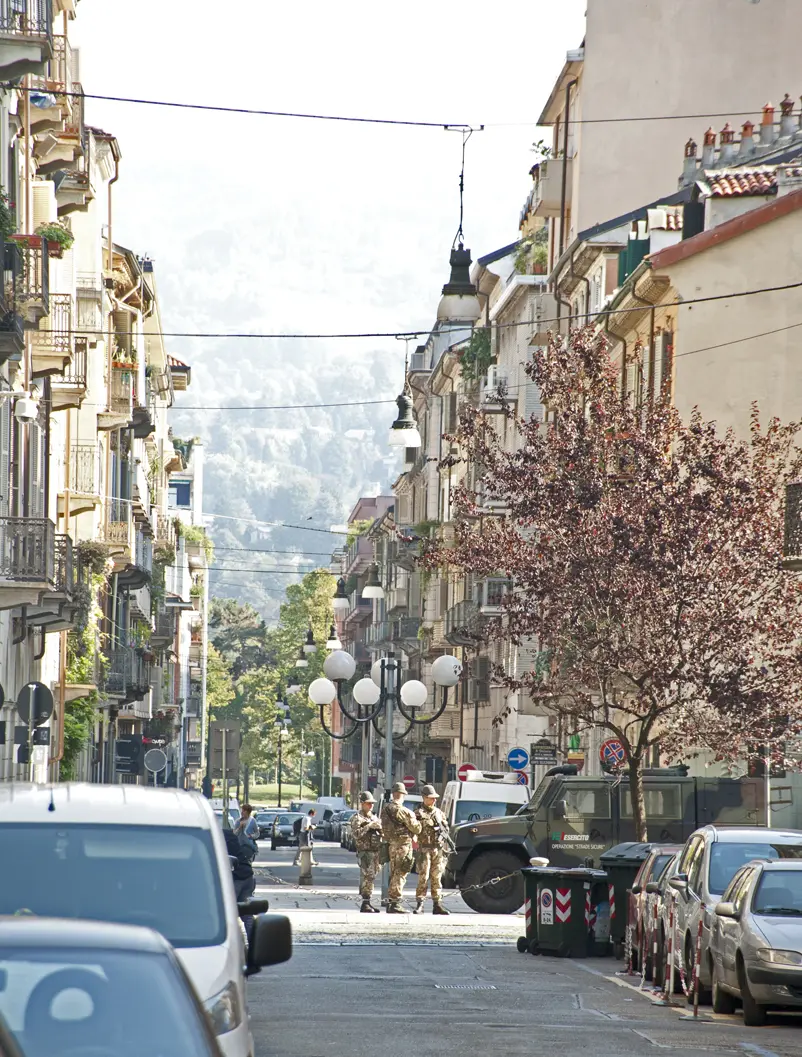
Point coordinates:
pixel 522 779
pixel 155 760
pixel 518 759
pixel 612 753
pixel 35 704
pixel 408 781
pixel 463 771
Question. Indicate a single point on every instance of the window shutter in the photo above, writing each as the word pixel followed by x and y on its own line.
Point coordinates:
pixel 665 358
pixel 43 198
pixel 443 595
pixel 5 455
pixel 35 454
pixel 450 413
pixel 532 403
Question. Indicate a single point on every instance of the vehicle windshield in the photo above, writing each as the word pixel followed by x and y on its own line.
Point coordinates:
pixel 159 876
pixel 727 859
pixel 265 816
pixel 286 820
pixel 476 810
pixel 779 892
pixel 660 863
pixel 60 1000
pixel 538 796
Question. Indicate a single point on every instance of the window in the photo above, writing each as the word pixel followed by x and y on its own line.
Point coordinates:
pixel 476 810
pixel 779 893
pixel 180 493
pixel 592 802
pixel 660 803
pixel 687 856
pixel 725 859
pixel 695 867
pixel 744 884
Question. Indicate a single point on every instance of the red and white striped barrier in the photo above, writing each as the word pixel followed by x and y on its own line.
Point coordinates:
pixel 562 904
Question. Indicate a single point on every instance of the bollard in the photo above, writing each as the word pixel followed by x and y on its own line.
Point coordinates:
pixel 655 938
pixel 305 874
pixel 669 978
pixel 697 963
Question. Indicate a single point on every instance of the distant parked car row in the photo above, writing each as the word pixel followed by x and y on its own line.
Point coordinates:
pixel 744 885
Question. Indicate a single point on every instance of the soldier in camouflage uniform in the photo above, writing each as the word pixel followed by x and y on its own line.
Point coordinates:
pixel 431 856
pixel 366 829
pixel 399 826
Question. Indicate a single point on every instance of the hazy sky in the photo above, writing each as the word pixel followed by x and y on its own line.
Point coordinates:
pixel 260 223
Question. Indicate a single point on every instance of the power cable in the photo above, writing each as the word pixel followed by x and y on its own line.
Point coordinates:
pixel 269 550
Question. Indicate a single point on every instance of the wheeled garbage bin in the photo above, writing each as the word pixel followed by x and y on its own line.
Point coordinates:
pixel 531 876
pixel 621 864
pixel 573 913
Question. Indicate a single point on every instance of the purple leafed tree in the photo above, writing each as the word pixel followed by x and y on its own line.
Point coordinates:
pixel 646 558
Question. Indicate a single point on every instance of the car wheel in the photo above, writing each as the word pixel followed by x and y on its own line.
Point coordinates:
pixel 723 1001
pixel 503 898
pixel 754 1014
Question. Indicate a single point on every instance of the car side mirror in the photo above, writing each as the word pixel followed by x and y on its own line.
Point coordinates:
pixel 635 890
pixel 727 910
pixel 252 907
pixel 679 883
pixel 270 942
pixel 653 888
pixel 559 808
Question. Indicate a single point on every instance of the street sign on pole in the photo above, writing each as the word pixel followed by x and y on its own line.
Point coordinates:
pixel 409 781
pixel 35 704
pixel 155 760
pixel 229 766
pixel 543 753
pixel 464 770
pixel 518 759
pixel 612 754
pixel 522 779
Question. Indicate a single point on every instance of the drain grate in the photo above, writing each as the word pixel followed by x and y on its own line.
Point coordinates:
pixel 466 987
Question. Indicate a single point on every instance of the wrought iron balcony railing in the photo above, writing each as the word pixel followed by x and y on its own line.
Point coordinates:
pixel 26 18
pixel 193 752
pixel 792 544
pixel 123 387
pixel 127 673
pixel 85 468
pixel 379 634
pixel 462 624
pixel 164 625
pixel 27 550
pixel 64 581
pixel 26 259
pixel 194 705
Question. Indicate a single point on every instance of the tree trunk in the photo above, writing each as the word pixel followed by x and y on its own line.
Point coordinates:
pixel 636 794
pixel 246 784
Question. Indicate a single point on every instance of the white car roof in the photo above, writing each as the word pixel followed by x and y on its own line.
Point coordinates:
pixel 81 802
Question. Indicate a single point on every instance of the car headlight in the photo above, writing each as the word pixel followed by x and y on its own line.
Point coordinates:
pixel 766 954
pixel 224 1010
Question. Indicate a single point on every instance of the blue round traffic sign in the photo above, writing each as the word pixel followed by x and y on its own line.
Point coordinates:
pixel 522 779
pixel 518 759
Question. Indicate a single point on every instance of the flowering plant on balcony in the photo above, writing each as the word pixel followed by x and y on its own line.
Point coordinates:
pixel 7 224
pixel 58 235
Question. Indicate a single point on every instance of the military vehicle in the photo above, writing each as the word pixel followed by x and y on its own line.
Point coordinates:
pixel 571 819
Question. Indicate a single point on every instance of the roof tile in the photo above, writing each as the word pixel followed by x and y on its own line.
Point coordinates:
pixel 733 182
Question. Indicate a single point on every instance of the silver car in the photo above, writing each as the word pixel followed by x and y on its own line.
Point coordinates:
pixel 756 940
pixel 708 862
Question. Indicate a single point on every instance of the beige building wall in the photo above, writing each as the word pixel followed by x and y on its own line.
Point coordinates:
pixel 647 58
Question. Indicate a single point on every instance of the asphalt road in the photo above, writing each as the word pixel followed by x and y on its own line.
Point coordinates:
pixel 386 986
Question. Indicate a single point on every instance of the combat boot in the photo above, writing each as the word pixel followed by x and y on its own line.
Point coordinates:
pixel 440 909
pixel 367 907
pixel 419 908
pixel 395 908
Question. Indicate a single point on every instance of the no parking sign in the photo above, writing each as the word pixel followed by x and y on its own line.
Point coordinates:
pixel 546 906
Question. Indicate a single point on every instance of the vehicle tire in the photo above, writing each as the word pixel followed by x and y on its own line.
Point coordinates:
pixel 522 945
pixel 503 898
pixel 618 950
pixel 723 1001
pixel 754 1014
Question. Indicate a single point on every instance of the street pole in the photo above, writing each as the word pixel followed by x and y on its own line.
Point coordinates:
pixel 301 769
pixel 388 670
pixel 279 767
pixel 226 819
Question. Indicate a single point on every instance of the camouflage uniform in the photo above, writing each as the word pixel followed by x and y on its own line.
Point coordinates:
pixel 430 858
pixel 399 826
pixel 367 833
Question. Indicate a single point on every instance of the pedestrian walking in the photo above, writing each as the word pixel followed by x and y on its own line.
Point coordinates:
pixel 431 856
pixel 246 829
pixel 306 836
pixel 243 875
pixel 366 830
pixel 399 826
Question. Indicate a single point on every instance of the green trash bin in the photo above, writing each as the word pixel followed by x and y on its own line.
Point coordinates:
pixel 531 875
pixel 573 913
pixel 621 864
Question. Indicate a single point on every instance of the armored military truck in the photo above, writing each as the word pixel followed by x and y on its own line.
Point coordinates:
pixel 571 818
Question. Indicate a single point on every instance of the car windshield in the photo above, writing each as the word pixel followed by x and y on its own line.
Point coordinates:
pixel 60 1000
pixel 660 863
pixel 726 859
pixel 475 810
pixel 265 816
pixel 286 820
pixel 779 892
pixel 159 876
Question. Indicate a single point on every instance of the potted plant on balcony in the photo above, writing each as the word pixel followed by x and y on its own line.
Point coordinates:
pixel 58 235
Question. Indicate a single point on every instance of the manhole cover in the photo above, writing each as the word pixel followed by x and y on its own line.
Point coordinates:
pixel 466 987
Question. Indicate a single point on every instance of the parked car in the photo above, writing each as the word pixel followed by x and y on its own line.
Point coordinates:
pixel 233 817
pixel 644 901
pixel 345 835
pixel 336 823
pixel 264 820
pixel 756 940
pixel 708 862
pixel 284 830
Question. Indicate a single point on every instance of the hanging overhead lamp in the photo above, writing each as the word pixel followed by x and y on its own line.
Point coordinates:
pixel 459 303
pixel 404 431
pixel 302 662
pixel 309 646
pixel 340 601
pixel 333 641
pixel 373 588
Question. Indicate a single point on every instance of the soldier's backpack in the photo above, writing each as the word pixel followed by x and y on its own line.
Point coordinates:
pixel 296 826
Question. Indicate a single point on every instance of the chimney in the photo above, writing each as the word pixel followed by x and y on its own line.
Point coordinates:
pixel 789 178
pixel 709 149
pixel 689 167
pixel 747 144
pixel 767 126
pixel 787 120
pixel 727 153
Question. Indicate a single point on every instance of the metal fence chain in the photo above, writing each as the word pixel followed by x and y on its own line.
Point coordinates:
pixel 350 899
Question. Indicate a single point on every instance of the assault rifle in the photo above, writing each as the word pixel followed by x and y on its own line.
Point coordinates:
pixel 445 837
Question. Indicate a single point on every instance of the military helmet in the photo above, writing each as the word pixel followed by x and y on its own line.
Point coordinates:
pixel 367 798
pixel 398 787
pixel 429 790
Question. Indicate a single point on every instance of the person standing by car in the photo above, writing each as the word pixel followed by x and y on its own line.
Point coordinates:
pixel 399 826
pixel 247 829
pixel 430 858
pixel 306 835
pixel 367 833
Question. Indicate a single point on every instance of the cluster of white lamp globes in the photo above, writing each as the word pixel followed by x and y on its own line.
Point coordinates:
pixel 371 694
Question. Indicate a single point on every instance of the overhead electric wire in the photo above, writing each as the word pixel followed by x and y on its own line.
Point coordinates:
pixel 270 550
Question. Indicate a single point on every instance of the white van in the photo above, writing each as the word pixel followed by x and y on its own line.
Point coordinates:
pixel 135 855
pixel 337 803
pixel 483 794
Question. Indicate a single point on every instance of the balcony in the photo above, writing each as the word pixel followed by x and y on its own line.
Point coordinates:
pixel 379 634
pixel 141 497
pixel 792 543
pixel 406 549
pixel 359 608
pixel 397 598
pixel 127 675
pixel 194 706
pixel 548 187
pixel 84 479
pixel 52 344
pixel 26 37
pixel 27 268
pixel 463 624
pixel 121 397
pixel 358 556
pixel 55 611
pixel 404 633
pixel 490 593
pixel 68 389
pixel 193 754
pixel 144 418
pixel 139 569
pixel 119 531
pixel 27 560
pixel 165 531
pixel 164 626
pixel 58 128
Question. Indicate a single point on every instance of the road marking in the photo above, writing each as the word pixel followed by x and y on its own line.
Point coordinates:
pixel 753 1047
